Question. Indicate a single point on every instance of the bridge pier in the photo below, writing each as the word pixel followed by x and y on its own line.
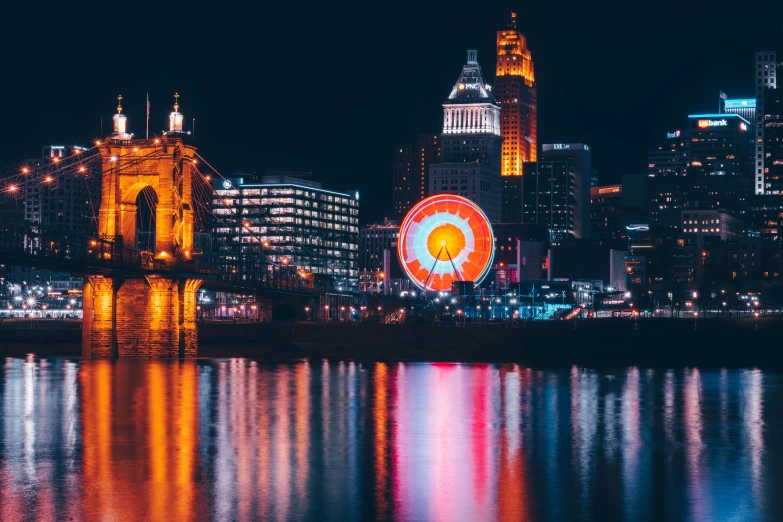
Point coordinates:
pixel 149 316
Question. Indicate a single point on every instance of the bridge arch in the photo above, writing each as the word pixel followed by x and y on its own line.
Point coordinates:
pixel 129 167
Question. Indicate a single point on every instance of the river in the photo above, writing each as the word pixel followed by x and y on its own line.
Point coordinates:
pixel 236 439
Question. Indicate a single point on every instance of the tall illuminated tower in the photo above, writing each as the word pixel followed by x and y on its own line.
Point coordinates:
pixel 470 143
pixel 515 91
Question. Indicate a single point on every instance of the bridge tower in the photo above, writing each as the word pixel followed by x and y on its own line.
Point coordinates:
pixel 152 313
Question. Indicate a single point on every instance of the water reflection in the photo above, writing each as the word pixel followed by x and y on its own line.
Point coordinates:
pixel 239 440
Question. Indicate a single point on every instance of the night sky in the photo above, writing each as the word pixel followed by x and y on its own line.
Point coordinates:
pixel 332 89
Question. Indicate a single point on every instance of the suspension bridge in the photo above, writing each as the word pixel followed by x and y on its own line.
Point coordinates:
pixel 138 301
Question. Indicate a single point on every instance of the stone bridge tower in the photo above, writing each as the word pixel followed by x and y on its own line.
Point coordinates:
pixel 152 313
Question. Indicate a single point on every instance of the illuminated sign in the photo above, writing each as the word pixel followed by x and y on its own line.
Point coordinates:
pixel 675 134
pixel 57 147
pixel 609 190
pixel 463 86
pixel 638 226
pixel 226 184
pixel 566 146
pixel 703 124
pixel 740 104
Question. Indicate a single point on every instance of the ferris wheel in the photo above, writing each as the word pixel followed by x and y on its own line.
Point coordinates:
pixel 443 239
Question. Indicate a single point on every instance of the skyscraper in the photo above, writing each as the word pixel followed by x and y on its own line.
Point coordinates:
pixel 515 90
pixel 772 127
pixel 766 78
pixel 401 192
pixel 470 143
pixel 426 152
pixel 412 171
pixel 578 156
pixel 671 157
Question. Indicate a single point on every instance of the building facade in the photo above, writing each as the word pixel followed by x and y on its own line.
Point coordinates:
pixel 402 196
pixel 719 145
pixel 579 169
pixel 411 171
pixel 766 79
pixel 373 240
pixel 470 143
pixel 515 91
pixel 712 222
pixel 66 202
pixel 772 143
pixel 549 196
pixel 606 205
pixel 671 156
pixel 291 221
pixel 425 153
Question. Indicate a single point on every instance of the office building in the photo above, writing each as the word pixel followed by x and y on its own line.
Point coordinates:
pixel 719 145
pixel 411 171
pixel 766 79
pixel 577 155
pixel 289 220
pixel 713 223
pixel 470 143
pixel 719 175
pixel 606 209
pixel 426 153
pixel 671 156
pixel 63 200
pixel 765 217
pixel 511 192
pixel 373 240
pixel 402 179
pixel 515 91
pixel 772 128
pixel 549 196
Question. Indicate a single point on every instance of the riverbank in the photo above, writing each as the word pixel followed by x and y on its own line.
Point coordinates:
pixel 608 342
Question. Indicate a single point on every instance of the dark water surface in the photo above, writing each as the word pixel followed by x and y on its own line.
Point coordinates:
pixel 239 440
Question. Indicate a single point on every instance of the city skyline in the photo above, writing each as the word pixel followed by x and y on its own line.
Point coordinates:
pixel 622 68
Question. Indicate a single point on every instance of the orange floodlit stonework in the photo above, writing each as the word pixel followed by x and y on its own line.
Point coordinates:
pixel 152 314
pixel 515 91
pixel 445 238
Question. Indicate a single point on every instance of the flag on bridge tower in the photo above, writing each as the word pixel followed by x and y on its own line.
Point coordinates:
pixel 148 116
pixel 723 95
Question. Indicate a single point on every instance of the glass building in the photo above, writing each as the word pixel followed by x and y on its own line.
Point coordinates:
pixel 291 221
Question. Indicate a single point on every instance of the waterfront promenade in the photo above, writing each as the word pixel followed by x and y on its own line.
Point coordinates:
pixel 666 342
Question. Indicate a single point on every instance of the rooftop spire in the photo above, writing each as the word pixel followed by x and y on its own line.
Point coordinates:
pixel 120 122
pixel 513 23
pixel 175 118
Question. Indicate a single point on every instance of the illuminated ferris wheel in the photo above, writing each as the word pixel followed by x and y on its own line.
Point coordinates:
pixel 445 238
